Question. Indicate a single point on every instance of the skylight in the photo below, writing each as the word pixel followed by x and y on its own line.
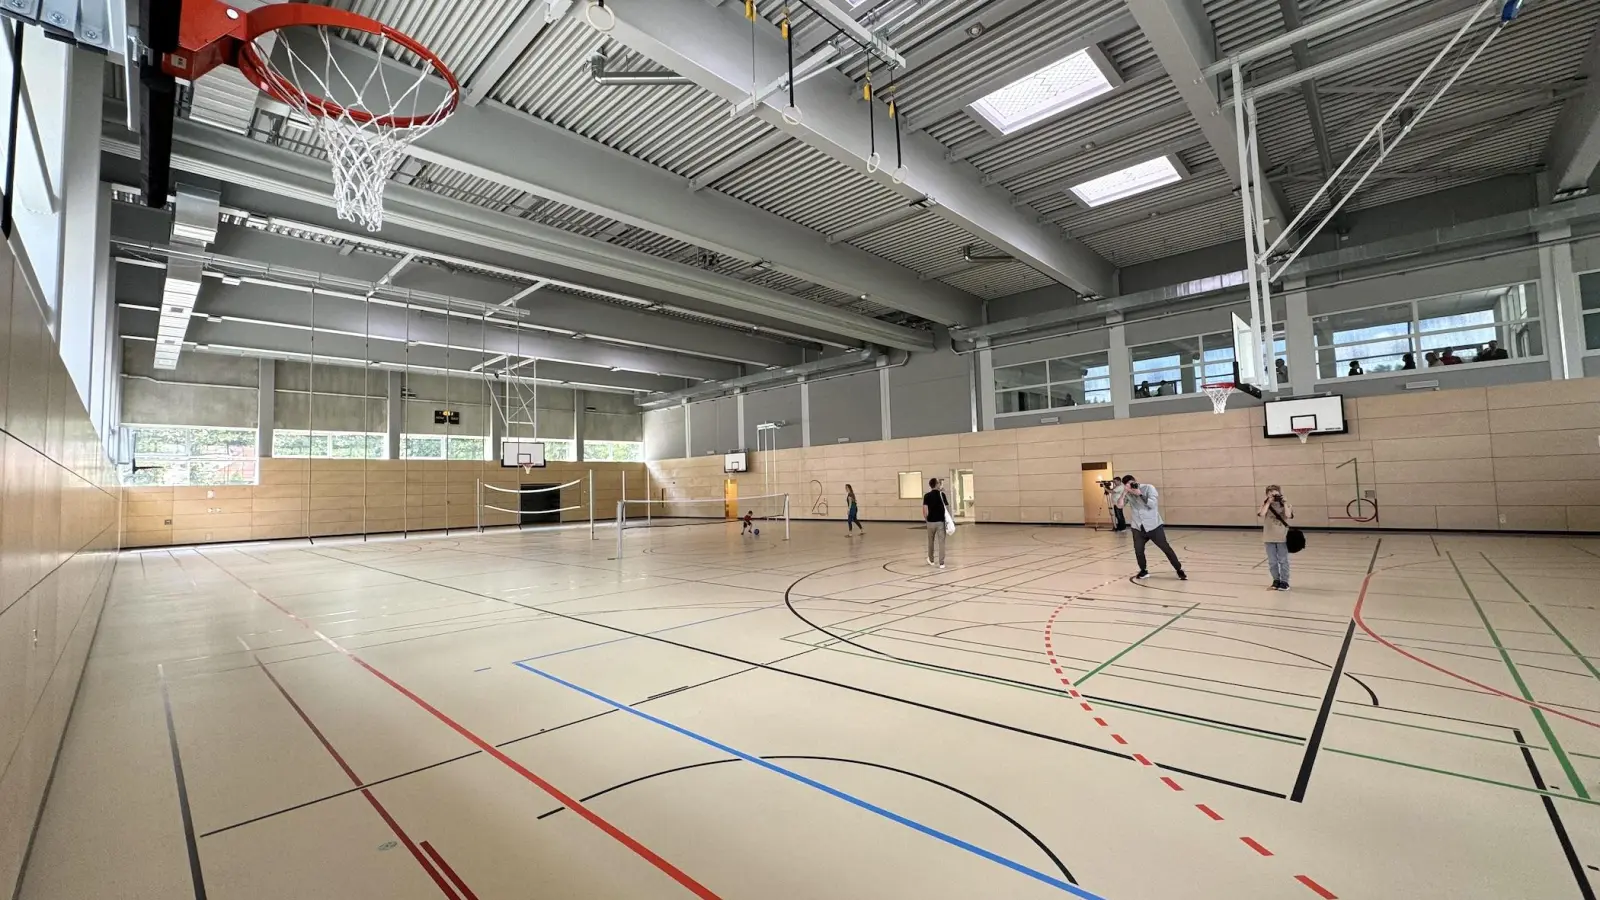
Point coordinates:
pixel 1135 179
pixel 1059 86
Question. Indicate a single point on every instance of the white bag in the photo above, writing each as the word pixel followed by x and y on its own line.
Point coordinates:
pixel 949 521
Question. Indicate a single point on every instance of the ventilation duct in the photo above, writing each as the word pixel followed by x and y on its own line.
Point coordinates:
pixel 196 212
pixel 983 258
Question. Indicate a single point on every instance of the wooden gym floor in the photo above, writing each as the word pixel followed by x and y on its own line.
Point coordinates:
pixel 516 715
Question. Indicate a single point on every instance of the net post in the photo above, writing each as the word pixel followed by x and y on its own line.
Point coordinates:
pixel 621 512
pixel 480 506
pixel 786 517
pixel 591 504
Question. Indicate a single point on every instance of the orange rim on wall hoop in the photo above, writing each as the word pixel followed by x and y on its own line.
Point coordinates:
pixel 366 119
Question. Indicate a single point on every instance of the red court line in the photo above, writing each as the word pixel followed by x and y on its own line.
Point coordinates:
pixel 1208 811
pixel 1322 892
pixel 1253 845
pixel 448 871
pixel 1118 738
pixel 356 780
pixel 1171 784
pixel 1361 602
pixel 645 853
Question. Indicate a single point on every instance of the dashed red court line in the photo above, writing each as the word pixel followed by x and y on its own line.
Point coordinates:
pixel 1252 843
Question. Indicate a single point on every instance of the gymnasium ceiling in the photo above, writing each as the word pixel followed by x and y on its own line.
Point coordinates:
pixel 826 232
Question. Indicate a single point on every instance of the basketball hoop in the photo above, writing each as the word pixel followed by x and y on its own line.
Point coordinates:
pixel 1302 433
pixel 366 123
pixel 1219 394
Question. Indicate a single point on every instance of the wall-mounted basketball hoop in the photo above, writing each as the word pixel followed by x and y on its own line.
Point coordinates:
pixel 366 109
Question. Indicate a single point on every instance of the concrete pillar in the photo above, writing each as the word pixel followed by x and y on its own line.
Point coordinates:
pixel 1560 306
pixel 396 419
pixel 805 414
pixel 738 405
pixel 266 406
pixel 688 431
pixel 883 401
pixel 984 361
pixel 1121 368
pixel 1299 338
pixel 579 401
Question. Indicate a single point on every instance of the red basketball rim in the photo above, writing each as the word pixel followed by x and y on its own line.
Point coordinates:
pixel 276 16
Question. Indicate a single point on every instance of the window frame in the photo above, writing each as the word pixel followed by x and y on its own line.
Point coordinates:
pixel 1416 336
pixel 1589 318
pixel 188 457
pixel 637 445
pixel 382 442
pixel 1052 387
pixel 1199 364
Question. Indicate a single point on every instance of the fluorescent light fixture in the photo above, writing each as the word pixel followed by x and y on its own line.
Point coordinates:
pixel 1129 182
pixel 1055 88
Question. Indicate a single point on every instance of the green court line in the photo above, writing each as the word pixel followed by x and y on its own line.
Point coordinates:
pixel 1547 623
pixel 1522 686
pixel 1478 778
pixel 1135 645
pixel 1249 734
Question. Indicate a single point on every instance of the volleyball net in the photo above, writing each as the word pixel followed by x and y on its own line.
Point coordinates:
pixel 511 501
pixel 766 511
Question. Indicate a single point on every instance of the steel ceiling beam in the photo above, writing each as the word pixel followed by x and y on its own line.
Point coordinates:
pixel 324 347
pixel 712 46
pixel 538 15
pixel 391 321
pixel 1138 125
pixel 511 148
pixel 1181 37
pixel 548 308
pixel 254 165
pixel 1573 154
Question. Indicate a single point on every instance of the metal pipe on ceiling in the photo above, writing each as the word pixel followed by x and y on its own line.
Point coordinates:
pixel 597 72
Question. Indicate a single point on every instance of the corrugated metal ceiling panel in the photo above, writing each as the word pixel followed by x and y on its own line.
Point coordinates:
pixel 805 185
pixel 999 280
pixel 1191 229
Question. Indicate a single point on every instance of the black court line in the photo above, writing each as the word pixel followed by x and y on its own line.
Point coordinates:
pixel 1585 888
pixel 1045 848
pixel 844 686
pixel 196 876
pixel 1302 779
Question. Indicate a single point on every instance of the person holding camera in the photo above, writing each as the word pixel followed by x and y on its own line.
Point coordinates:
pixel 1142 502
pixel 1114 495
pixel 1275 515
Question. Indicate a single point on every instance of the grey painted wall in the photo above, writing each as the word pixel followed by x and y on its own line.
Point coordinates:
pixel 931 394
pixel 610 417
pixel 1098 412
pixel 847 407
pixel 663 433
pixel 714 427
pixel 779 405
pixel 205 389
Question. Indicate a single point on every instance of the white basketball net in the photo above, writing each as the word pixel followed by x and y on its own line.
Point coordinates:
pixel 1219 398
pixel 374 124
pixel 1302 434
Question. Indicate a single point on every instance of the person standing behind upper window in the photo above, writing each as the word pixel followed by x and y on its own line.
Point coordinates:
pixel 1449 357
pixel 1432 359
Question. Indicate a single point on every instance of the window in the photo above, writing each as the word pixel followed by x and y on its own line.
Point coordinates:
pixel 184 455
pixel 1055 88
pixel 1134 180
pixel 911 486
pixel 1589 292
pixel 1053 384
pixel 288 444
pixel 613 451
pixel 439 446
pixel 1402 336
pixel 41 137
pixel 1185 365
pixel 559 451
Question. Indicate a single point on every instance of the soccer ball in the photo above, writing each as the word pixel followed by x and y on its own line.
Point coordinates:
pixel 758 532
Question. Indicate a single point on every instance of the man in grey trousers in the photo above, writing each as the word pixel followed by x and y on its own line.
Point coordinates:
pixel 933 506
pixel 1141 502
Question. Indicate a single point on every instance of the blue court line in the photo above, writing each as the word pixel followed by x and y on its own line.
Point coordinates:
pixel 827 789
pixel 743 612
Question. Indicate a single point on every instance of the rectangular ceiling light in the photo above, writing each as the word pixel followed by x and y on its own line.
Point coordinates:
pixel 1135 179
pixel 1055 88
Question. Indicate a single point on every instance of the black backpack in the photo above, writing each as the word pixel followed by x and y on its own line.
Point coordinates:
pixel 1296 539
